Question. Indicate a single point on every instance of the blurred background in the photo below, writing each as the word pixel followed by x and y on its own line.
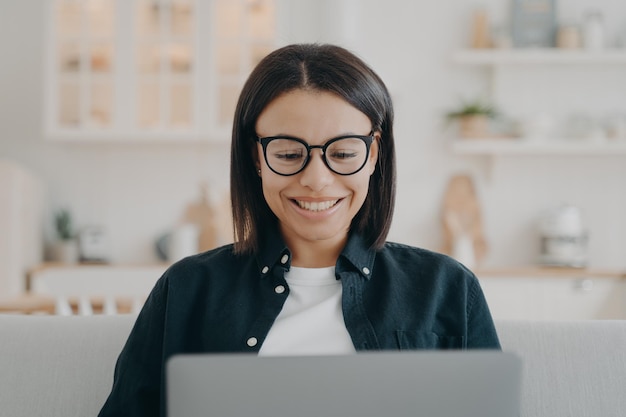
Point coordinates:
pixel 115 122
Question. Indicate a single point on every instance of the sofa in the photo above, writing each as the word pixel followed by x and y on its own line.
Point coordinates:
pixel 56 366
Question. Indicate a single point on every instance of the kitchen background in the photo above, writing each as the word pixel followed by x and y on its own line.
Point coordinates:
pixel 135 192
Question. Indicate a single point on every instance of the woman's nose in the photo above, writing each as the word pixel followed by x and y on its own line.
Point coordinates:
pixel 316 174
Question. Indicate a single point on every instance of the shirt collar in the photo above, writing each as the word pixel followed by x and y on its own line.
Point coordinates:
pixel 359 255
pixel 272 251
pixel 356 253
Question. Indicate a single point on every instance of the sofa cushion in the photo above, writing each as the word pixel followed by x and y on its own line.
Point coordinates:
pixel 571 369
pixel 58 366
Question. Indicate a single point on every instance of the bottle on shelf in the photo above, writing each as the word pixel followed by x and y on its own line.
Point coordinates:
pixel 480 29
pixel 593 30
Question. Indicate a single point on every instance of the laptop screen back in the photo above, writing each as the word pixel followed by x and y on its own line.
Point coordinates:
pixel 373 384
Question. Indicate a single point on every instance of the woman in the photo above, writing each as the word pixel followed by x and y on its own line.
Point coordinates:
pixel 313 188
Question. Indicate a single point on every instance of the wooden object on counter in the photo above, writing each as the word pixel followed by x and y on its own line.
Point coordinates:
pixel 44 304
pixel 462 220
pixel 28 304
pixel 202 214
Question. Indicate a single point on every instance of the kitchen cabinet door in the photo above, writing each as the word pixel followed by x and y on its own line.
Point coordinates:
pixel 549 298
pixel 144 70
pixel 512 298
pixel 583 298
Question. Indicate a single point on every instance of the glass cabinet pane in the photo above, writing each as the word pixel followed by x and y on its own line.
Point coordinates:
pixel 181 105
pixel 100 18
pixel 261 19
pixel 149 58
pixel 228 95
pixel 101 57
pixel 69 57
pixel 181 18
pixel 149 105
pixel 180 57
pixel 101 103
pixel 69 104
pixel 68 17
pixel 228 59
pixel 148 17
pixel 228 24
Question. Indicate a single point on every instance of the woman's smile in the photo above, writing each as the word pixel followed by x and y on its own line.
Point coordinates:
pixel 316 205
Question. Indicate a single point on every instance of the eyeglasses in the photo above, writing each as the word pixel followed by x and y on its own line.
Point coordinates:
pixel 343 155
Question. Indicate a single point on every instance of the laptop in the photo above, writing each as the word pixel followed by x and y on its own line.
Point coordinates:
pixel 371 384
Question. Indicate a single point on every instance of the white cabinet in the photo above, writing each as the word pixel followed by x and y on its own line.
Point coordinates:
pixel 567 102
pixel 136 70
pixel 555 297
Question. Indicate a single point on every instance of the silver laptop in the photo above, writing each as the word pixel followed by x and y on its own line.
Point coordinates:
pixel 372 384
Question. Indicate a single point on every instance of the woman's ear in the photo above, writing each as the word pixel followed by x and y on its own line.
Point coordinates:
pixel 255 158
pixel 374 150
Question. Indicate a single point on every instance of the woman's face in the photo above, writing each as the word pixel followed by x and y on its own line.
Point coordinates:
pixel 316 205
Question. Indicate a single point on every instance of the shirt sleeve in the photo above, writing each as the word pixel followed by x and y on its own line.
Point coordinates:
pixel 137 383
pixel 481 331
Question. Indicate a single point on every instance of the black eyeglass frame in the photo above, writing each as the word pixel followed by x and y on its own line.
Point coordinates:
pixel 368 139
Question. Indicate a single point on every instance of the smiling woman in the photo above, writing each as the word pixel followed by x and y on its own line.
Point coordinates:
pixel 313 191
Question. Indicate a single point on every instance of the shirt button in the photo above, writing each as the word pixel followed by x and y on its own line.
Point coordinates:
pixel 279 289
pixel 252 342
pixel 265 269
pixel 284 259
pixel 366 270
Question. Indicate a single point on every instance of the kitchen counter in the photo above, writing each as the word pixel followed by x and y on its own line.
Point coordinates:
pixel 551 272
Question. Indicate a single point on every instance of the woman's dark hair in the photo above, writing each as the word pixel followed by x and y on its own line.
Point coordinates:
pixel 313 67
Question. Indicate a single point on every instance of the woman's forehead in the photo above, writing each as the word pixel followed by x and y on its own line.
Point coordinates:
pixel 311 114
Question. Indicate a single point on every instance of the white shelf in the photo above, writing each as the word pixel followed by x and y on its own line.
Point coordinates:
pixel 121 138
pixel 538 56
pixel 560 147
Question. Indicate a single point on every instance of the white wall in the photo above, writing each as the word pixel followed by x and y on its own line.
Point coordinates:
pixel 138 192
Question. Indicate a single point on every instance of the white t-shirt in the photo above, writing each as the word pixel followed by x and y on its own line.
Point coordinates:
pixel 311 321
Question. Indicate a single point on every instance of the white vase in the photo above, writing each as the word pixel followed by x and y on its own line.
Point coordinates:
pixel 463 251
pixel 183 242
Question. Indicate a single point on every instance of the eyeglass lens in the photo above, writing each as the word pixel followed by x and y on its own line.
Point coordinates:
pixel 344 156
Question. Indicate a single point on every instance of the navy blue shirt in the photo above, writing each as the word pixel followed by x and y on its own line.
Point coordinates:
pixel 396 298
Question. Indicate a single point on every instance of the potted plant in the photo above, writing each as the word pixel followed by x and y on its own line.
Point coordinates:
pixel 473 118
pixel 65 248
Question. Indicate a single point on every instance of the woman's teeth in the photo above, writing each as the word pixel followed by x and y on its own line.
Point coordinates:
pixel 316 206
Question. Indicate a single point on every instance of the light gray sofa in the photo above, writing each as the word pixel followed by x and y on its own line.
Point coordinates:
pixel 63 366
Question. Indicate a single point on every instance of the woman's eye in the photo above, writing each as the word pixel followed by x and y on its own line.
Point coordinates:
pixel 343 154
pixel 289 156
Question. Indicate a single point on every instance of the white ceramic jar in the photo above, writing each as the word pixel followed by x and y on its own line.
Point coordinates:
pixel 563 238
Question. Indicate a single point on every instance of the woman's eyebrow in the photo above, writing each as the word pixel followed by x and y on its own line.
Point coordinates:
pixel 286 135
